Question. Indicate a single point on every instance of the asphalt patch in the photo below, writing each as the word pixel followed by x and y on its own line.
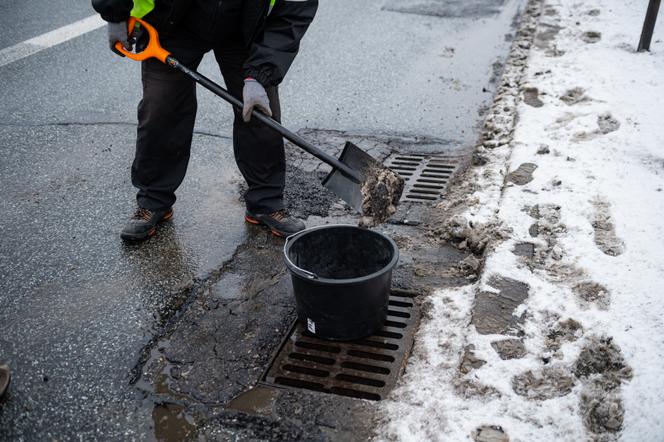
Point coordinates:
pixel 305 196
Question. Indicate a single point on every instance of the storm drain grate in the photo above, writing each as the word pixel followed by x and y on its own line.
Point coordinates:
pixel 364 369
pixel 426 176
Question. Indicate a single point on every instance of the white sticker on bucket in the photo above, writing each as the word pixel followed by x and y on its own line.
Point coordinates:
pixel 311 326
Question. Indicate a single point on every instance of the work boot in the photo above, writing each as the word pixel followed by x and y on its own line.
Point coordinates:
pixel 5 377
pixel 143 223
pixel 279 222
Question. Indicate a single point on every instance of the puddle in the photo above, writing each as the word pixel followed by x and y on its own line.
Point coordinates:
pixel 171 423
pixel 258 400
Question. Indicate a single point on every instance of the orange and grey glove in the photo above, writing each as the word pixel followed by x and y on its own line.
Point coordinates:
pixel 118 32
pixel 254 96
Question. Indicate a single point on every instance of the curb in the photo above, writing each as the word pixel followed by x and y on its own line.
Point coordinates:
pixel 467 216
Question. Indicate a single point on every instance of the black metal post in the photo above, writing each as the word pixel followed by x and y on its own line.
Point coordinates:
pixel 649 25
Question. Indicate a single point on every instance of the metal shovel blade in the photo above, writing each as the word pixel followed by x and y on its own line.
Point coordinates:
pixel 343 186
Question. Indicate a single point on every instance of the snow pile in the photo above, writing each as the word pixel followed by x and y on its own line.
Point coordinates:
pixel 575 189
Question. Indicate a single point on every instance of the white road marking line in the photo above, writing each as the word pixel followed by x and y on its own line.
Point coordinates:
pixel 50 39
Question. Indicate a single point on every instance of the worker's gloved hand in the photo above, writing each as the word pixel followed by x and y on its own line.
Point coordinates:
pixel 118 32
pixel 254 96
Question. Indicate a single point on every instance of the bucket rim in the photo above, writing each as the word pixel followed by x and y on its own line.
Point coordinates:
pixel 312 277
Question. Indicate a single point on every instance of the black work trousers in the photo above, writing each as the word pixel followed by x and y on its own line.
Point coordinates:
pixel 166 117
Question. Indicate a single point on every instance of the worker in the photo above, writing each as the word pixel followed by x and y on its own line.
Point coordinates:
pixel 254 43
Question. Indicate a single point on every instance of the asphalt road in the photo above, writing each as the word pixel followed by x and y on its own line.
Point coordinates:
pixel 77 306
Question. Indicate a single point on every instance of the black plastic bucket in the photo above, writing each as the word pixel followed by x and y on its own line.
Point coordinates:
pixel 342 275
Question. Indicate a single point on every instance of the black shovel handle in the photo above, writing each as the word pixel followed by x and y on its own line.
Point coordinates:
pixel 272 123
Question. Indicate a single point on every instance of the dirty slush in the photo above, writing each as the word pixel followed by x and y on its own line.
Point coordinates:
pixel 381 192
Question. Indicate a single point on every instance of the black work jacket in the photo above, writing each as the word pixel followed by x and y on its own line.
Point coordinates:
pixel 273 31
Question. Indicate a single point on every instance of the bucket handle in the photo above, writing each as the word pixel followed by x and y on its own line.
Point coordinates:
pixel 293 267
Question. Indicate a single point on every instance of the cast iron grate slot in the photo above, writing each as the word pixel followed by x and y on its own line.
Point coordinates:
pixel 319 347
pixel 360 380
pixel 306 370
pixel 311 358
pixel 428 186
pixel 375 344
pixel 388 334
pixel 396 324
pixel 364 369
pixel 400 303
pixel 426 176
pixel 398 313
pixel 355 393
pixel 369 355
pixel 300 384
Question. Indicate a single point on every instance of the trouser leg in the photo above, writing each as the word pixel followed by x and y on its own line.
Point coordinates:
pixel 166 116
pixel 259 150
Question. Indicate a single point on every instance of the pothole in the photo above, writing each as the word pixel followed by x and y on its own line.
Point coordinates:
pixel 363 369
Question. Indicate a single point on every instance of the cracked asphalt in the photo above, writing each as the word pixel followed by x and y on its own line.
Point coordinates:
pixel 153 341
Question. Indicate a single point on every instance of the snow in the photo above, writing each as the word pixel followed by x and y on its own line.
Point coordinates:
pixel 599 178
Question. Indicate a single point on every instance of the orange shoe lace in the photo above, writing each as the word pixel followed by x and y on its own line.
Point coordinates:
pixel 279 215
pixel 143 214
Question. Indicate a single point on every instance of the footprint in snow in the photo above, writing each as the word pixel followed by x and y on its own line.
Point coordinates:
pixel 593 293
pixel 574 96
pixel 606 123
pixel 591 37
pixel 605 233
pixel 601 368
pixel 523 174
pixel 490 433
pixel 545 383
pixel 531 97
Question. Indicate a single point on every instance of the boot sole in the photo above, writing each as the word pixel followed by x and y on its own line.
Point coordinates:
pixel 150 233
pixel 255 222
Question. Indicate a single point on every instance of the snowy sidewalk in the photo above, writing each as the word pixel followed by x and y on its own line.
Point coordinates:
pixel 563 337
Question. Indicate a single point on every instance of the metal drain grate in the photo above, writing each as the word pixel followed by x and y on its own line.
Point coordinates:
pixel 426 176
pixel 364 369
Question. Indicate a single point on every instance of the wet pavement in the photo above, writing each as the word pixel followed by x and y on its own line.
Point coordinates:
pixel 154 341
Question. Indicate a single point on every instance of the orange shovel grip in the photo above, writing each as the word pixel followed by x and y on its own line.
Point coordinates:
pixel 153 49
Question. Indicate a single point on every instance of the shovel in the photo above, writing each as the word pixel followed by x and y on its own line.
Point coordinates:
pixel 349 175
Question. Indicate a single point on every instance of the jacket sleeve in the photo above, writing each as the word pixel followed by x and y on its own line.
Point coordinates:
pixel 113 10
pixel 273 52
